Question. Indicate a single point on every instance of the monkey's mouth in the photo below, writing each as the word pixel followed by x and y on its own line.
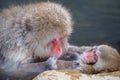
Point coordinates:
pixel 90 57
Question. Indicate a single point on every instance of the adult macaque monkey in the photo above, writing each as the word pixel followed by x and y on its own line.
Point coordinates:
pixel 94 59
pixel 30 32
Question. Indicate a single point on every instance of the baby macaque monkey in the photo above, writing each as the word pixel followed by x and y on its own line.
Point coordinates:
pixel 94 59
pixel 31 32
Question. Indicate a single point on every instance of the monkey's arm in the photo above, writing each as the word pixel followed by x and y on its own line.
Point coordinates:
pixel 50 64
pixel 32 67
pixel 39 66
pixel 62 64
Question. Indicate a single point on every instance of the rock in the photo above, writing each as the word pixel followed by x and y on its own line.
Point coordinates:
pixel 76 75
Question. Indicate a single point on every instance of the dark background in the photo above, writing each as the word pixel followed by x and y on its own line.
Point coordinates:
pixel 95 21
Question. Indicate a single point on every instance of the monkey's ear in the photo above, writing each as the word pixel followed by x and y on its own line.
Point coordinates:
pixel 28 25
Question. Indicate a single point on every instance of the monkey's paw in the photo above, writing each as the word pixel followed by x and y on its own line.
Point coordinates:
pixel 51 63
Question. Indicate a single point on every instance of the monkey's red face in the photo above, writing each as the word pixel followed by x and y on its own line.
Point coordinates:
pixel 91 56
pixel 57 46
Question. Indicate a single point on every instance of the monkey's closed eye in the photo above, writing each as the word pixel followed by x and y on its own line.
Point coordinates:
pixel 90 63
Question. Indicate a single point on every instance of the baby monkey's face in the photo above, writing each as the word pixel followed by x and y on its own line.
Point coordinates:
pixel 102 58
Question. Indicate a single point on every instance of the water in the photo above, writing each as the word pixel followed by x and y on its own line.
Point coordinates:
pixel 95 21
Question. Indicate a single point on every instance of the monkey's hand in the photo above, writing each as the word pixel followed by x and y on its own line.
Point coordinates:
pixel 51 63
